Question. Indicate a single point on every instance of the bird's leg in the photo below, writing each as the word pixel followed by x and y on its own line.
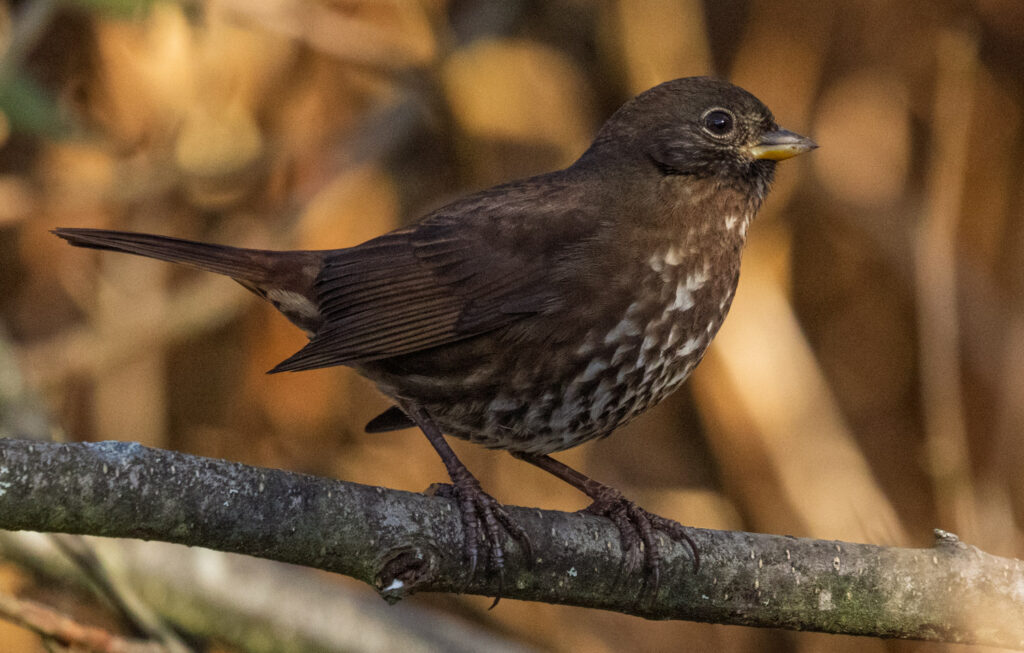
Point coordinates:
pixel 635 524
pixel 482 515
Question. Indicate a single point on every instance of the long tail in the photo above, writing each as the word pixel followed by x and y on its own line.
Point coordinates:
pixel 286 279
pixel 237 263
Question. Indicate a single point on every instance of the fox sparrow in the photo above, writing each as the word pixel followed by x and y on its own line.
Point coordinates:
pixel 539 314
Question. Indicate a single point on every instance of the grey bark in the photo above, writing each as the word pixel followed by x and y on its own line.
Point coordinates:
pixel 400 542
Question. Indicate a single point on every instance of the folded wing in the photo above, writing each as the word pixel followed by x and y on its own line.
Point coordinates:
pixel 452 276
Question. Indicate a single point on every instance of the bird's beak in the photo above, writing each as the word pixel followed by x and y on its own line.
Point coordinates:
pixel 781 144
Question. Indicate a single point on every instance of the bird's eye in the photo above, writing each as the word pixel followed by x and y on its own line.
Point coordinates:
pixel 719 122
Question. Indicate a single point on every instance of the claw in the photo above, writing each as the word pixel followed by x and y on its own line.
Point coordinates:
pixel 484 518
pixel 636 525
pixel 637 532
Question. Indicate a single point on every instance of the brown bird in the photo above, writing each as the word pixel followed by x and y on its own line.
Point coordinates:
pixel 539 314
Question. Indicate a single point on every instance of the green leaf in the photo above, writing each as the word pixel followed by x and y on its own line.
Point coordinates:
pixel 120 8
pixel 28 107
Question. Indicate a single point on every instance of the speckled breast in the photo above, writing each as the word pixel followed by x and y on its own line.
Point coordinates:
pixel 618 369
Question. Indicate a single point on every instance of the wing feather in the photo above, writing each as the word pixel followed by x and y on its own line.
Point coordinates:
pixel 468 269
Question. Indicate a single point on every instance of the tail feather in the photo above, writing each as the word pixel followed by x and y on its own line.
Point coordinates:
pixel 286 279
pixel 250 265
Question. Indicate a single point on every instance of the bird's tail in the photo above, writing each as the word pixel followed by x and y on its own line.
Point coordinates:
pixel 286 279
pixel 237 263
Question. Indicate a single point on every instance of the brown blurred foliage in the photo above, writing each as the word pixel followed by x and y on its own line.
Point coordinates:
pixel 867 386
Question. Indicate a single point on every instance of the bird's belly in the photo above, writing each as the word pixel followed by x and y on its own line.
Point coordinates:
pixel 611 384
pixel 563 399
pixel 523 392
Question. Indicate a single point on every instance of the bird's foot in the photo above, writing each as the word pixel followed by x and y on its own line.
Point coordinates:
pixel 482 516
pixel 637 533
pixel 483 519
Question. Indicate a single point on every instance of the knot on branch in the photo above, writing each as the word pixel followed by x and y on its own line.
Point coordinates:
pixel 403 570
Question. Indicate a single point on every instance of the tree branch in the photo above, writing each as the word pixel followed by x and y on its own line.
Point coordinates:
pixel 256 605
pixel 401 541
pixel 51 624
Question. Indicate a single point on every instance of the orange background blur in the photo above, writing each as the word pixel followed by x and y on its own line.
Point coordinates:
pixel 867 386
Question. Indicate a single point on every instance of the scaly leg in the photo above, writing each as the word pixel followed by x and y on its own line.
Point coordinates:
pixel 482 515
pixel 635 524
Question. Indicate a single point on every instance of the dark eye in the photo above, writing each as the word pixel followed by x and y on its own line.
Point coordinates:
pixel 719 122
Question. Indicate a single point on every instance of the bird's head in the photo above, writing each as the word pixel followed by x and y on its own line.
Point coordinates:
pixel 699 127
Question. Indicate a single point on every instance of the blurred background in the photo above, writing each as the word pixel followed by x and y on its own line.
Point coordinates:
pixel 867 386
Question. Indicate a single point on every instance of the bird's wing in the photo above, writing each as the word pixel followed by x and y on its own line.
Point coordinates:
pixel 470 268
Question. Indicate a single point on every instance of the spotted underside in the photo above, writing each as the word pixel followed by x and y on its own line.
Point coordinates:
pixel 632 353
pixel 616 371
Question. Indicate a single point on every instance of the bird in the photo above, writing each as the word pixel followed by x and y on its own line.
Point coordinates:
pixel 539 314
